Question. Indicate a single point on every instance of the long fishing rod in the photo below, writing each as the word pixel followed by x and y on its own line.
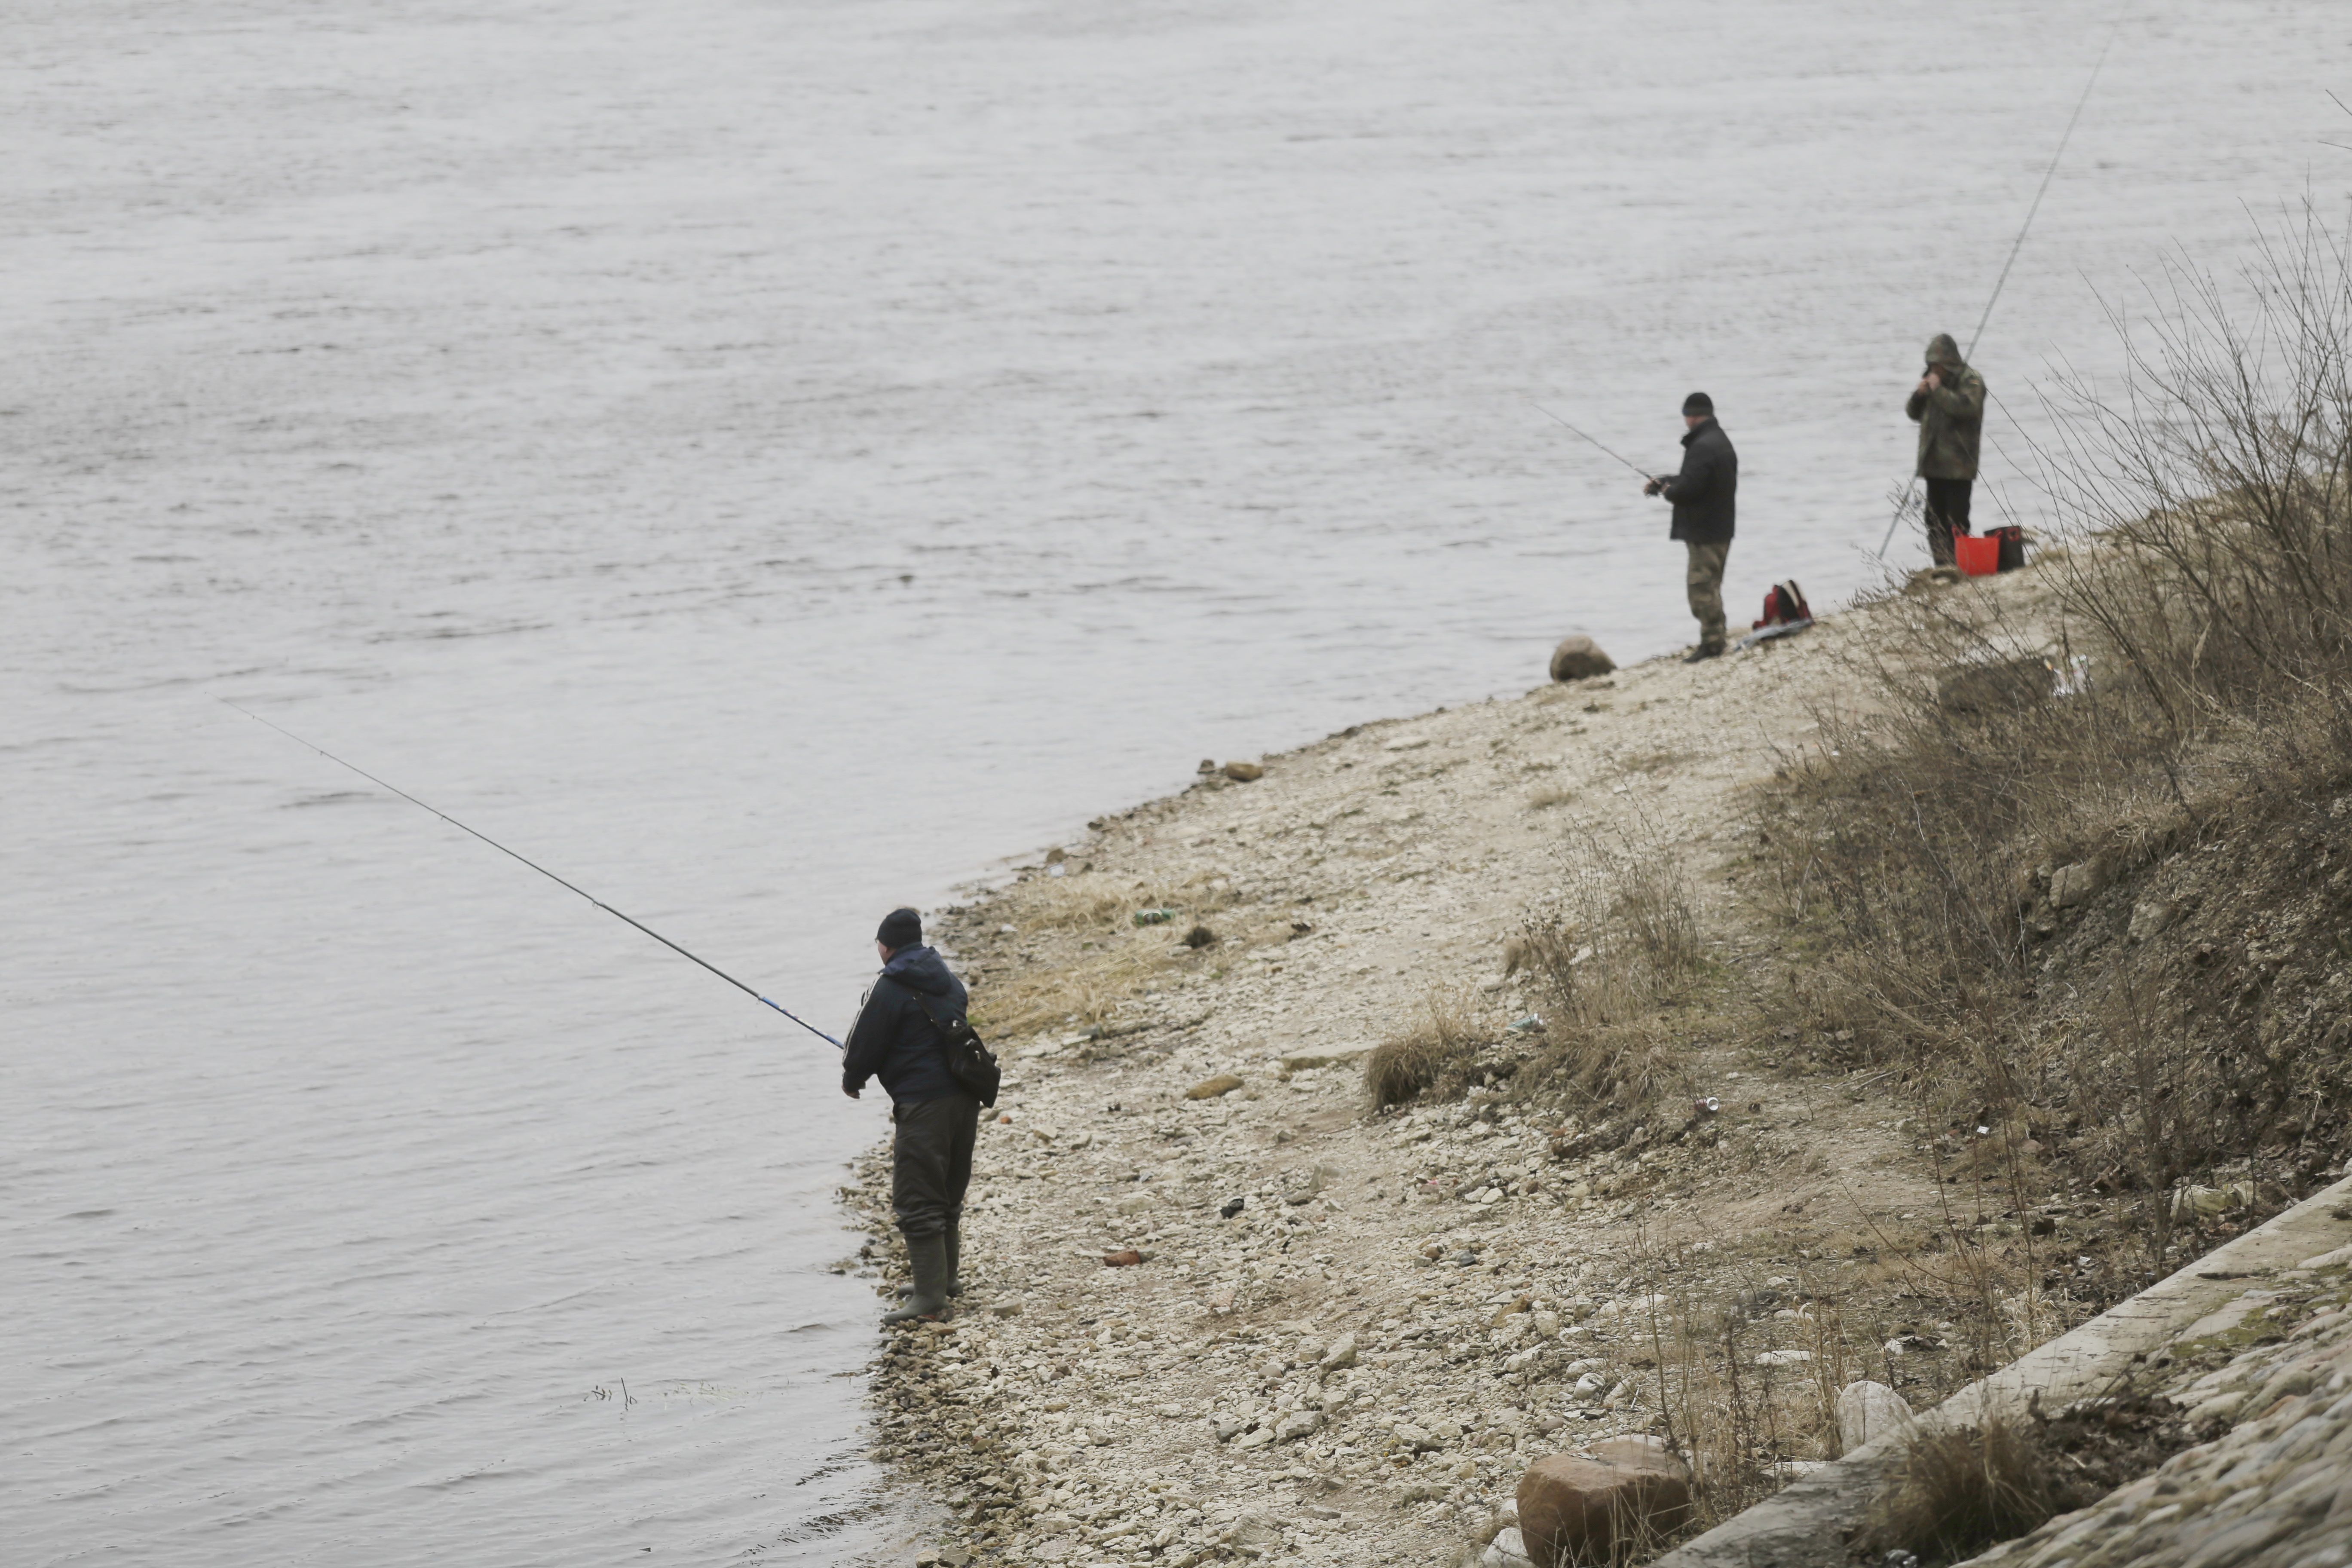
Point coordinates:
pixel 1969 352
pixel 1611 451
pixel 535 866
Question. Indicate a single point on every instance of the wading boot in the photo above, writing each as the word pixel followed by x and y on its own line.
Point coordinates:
pixel 955 1267
pixel 928 1256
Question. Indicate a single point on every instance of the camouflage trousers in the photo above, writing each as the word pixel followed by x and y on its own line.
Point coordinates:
pixel 1704 581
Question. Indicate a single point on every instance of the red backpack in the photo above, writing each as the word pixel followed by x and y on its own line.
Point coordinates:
pixel 1783 605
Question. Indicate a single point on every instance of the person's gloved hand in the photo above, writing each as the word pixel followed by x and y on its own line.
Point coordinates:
pixel 1653 487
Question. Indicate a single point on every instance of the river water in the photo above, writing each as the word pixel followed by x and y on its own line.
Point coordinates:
pixel 772 461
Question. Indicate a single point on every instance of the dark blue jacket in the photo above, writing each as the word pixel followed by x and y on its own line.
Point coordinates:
pixel 1703 492
pixel 895 1040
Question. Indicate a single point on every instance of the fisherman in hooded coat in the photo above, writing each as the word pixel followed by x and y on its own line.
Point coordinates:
pixel 934 1123
pixel 1948 406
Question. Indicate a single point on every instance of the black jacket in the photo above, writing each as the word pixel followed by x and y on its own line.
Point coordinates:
pixel 1703 492
pixel 895 1040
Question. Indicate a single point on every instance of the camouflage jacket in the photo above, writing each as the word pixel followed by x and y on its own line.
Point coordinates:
pixel 1951 424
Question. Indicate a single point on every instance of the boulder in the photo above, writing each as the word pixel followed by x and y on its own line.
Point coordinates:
pixel 1209 1088
pixel 1341 1352
pixel 1414 1438
pixel 1243 772
pixel 2078 883
pixel 1580 658
pixel 1303 1423
pixel 1868 1412
pixel 1576 1510
pixel 2150 916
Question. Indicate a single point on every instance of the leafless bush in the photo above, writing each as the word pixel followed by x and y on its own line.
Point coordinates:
pixel 2192 685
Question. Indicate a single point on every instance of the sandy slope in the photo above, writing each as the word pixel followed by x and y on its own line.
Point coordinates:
pixel 1073 1411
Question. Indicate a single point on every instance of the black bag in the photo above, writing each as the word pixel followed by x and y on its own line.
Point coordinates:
pixel 2011 542
pixel 969 1061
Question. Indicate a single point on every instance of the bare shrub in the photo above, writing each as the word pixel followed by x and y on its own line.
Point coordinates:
pixel 1608 957
pixel 2189 685
pixel 1738 1420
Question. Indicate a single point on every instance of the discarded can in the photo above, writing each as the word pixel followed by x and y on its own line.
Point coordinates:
pixel 1154 917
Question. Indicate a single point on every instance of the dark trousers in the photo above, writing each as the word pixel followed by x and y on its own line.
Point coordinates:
pixel 1947 514
pixel 930 1163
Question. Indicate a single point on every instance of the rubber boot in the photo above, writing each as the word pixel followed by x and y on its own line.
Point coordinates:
pixel 928 1256
pixel 955 1265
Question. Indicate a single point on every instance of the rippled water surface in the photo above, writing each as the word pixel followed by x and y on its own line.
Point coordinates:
pixel 771 461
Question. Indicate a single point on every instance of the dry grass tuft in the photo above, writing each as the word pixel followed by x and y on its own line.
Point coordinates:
pixel 1438 1051
pixel 1959 1490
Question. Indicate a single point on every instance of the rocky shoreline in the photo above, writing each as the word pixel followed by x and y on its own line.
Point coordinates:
pixel 1218 1307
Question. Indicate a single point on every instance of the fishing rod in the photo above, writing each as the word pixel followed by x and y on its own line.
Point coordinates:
pixel 1611 451
pixel 535 866
pixel 1969 352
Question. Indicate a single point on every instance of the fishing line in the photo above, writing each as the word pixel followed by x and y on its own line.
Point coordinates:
pixel 1969 352
pixel 535 866
pixel 1610 450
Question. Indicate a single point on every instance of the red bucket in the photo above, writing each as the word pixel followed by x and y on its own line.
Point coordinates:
pixel 1977 557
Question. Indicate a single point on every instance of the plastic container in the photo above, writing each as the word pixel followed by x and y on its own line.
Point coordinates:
pixel 1977 557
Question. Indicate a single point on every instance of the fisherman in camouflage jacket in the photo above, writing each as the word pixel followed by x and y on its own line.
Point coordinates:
pixel 1948 406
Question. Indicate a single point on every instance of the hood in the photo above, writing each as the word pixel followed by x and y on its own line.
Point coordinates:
pixel 920 968
pixel 1943 350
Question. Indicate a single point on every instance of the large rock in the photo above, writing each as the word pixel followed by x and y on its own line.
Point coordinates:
pixel 1302 1423
pixel 2078 883
pixel 1579 658
pixel 1575 1510
pixel 1209 1088
pixel 1868 1412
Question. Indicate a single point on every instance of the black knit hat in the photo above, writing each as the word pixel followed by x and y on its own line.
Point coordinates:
pixel 1698 403
pixel 900 928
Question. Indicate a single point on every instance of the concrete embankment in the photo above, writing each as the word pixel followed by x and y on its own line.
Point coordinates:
pixel 2255 1332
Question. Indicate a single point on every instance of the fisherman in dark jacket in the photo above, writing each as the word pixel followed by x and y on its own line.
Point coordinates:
pixel 934 1121
pixel 1703 495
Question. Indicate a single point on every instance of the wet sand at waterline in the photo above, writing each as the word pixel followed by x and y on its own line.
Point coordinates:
pixel 773 462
